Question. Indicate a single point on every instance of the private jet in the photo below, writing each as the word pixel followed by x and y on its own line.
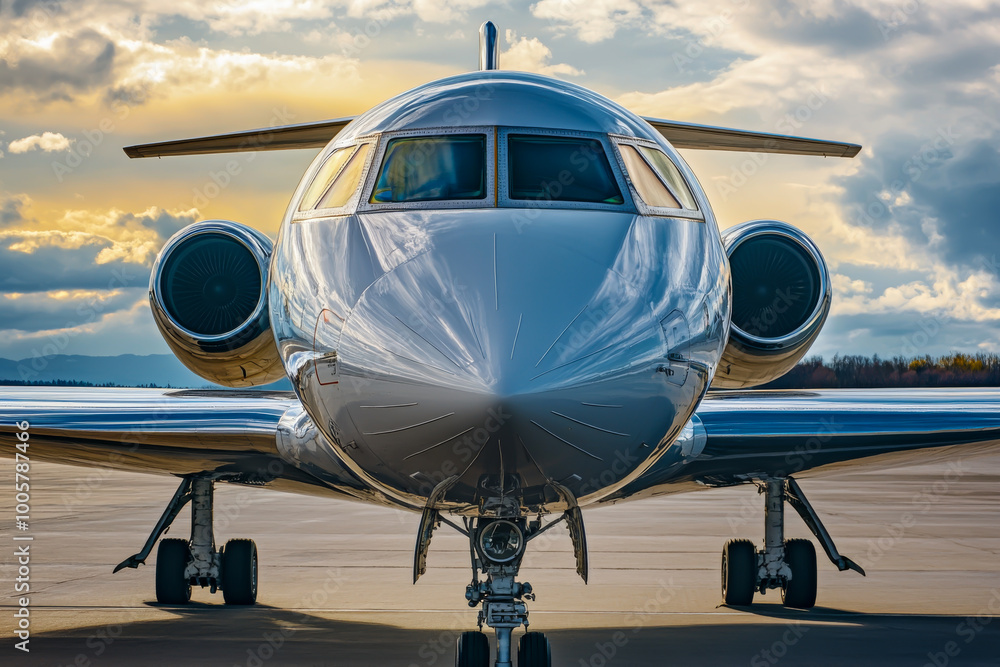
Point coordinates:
pixel 501 299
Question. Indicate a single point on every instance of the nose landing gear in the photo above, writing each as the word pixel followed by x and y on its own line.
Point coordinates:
pixel 497 547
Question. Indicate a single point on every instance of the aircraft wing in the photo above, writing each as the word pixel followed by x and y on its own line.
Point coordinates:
pixel 318 134
pixel 304 135
pixel 736 437
pixel 236 436
pixel 707 137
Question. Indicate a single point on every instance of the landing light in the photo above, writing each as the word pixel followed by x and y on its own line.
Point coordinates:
pixel 501 541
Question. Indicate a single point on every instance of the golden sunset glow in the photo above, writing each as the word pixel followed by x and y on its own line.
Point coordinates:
pixel 907 226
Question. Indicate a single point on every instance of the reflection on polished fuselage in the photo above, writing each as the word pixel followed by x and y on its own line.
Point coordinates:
pixel 497 350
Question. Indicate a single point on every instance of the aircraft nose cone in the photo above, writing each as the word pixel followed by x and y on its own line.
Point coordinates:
pixel 504 357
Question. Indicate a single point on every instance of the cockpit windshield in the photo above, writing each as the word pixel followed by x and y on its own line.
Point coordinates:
pixel 432 168
pixel 547 168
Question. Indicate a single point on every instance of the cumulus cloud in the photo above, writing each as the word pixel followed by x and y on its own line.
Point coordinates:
pixel 248 16
pixel 531 55
pixel 49 142
pixel 79 51
pixel 183 66
pixel 83 249
pixel 55 65
pixel 592 20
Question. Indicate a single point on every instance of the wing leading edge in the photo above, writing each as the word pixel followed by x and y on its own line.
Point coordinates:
pixel 286 137
pixel 232 436
pixel 318 134
pixel 737 437
pixel 707 137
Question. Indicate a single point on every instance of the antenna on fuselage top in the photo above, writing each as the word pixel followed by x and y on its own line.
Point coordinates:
pixel 489 47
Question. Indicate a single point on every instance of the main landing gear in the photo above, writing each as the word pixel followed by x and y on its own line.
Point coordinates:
pixel 181 564
pixel 786 564
pixel 496 547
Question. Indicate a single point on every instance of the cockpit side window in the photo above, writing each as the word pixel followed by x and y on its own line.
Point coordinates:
pixel 432 168
pixel 649 186
pixel 669 172
pixel 570 169
pixel 324 177
pixel 346 182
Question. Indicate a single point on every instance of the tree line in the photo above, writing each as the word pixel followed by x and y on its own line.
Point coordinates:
pixel 847 371
pixel 77 383
pixel 855 371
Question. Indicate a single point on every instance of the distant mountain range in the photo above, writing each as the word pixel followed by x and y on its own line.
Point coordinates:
pixel 126 370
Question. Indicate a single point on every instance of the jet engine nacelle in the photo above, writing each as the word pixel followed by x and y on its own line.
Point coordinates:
pixel 208 292
pixel 781 298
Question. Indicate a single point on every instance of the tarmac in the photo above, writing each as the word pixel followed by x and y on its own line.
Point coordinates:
pixel 335 579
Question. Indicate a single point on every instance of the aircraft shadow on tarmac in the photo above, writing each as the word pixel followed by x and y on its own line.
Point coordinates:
pixel 204 634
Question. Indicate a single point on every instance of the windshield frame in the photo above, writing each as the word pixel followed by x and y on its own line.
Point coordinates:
pixel 682 168
pixel 503 172
pixel 378 157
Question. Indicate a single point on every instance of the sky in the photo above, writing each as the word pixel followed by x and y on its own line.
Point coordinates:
pixel 909 227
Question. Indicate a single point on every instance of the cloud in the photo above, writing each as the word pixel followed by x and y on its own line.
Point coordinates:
pixel 83 249
pixel 64 308
pixel 250 17
pixel 79 52
pixel 592 20
pixel 434 11
pixel 91 328
pixel 916 83
pixel 183 66
pixel 945 292
pixel 55 65
pixel 530 55
pixel 939 190
pixel 80 281
pixel 23 7
pixel 49 142
pixel 12 210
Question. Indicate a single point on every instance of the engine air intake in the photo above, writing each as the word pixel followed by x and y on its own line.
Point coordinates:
pixel 776 286
pixel 781 298
pixel 211 285
pixel 208 293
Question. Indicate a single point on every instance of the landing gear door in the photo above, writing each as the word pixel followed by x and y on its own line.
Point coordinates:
pixel 677 337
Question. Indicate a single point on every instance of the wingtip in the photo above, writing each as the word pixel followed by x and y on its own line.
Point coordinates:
pixel 132 151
